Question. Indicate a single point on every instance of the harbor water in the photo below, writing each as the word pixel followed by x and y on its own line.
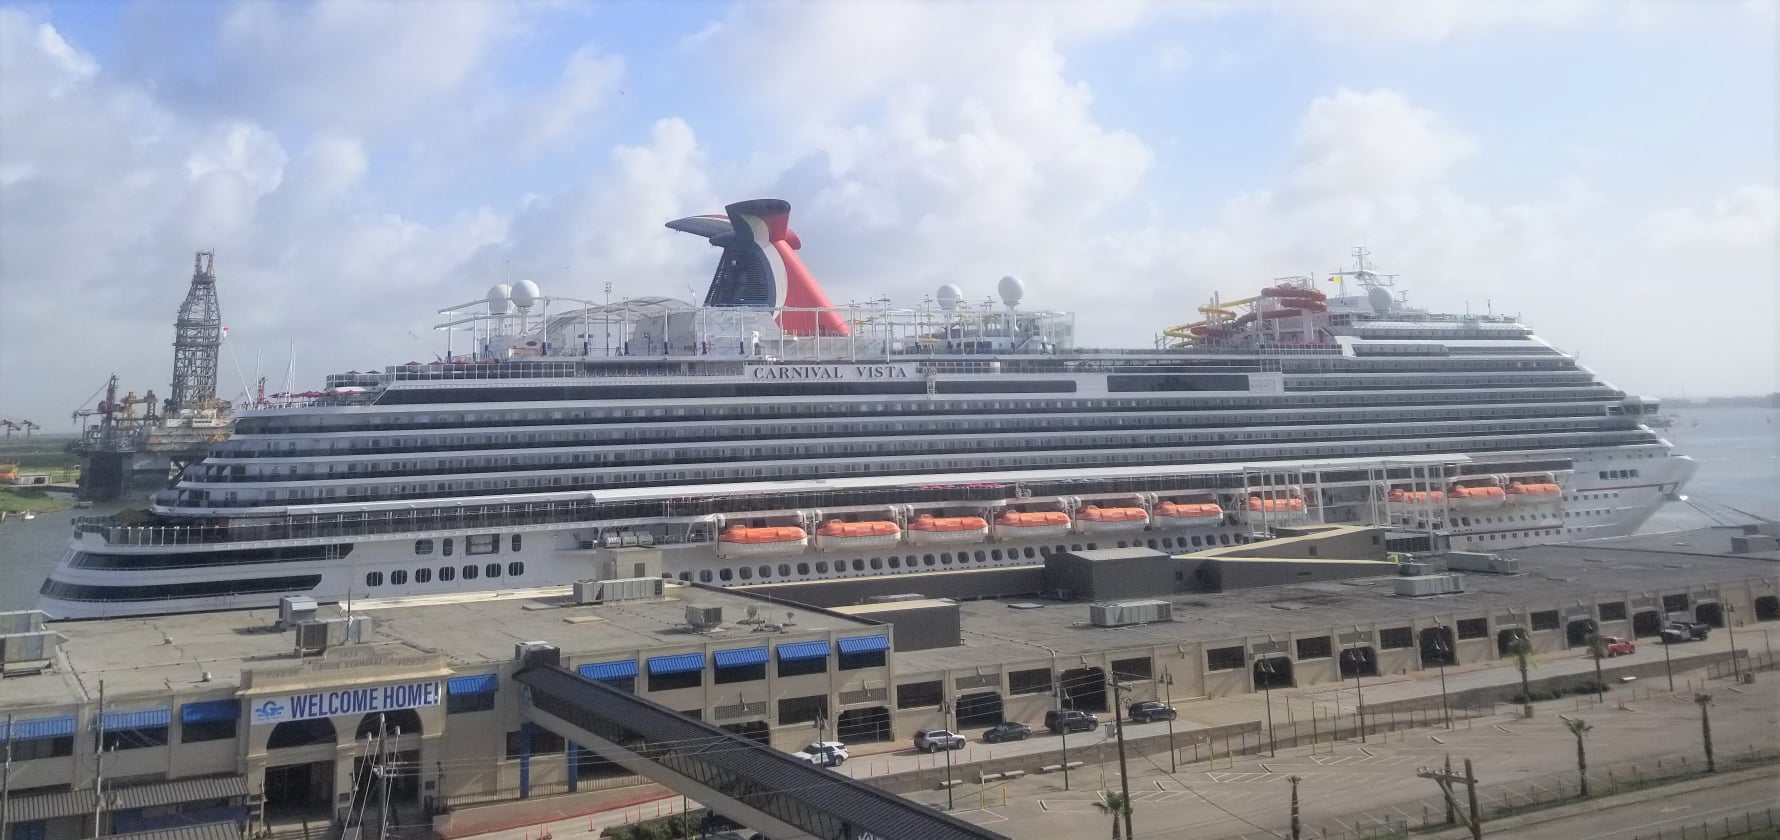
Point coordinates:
pixel 1739 476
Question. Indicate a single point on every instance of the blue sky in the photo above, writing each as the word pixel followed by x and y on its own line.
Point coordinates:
pixel 357 164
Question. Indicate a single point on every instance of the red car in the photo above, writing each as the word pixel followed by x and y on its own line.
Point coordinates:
pixel 1617 646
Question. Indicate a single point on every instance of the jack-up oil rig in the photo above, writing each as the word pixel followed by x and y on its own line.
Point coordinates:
pixel 129 454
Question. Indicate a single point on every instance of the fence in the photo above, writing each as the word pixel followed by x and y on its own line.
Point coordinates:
pixel 1504 800
pixel 1744 826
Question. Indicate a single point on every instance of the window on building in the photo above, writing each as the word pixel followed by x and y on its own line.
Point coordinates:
pixel 1675 603
pixel 133 739
pixel 919 695
pixel 423 546
pixel 683 679
pixel 1141 668
pixel 1546 620
pixel 1224 659
pixel 802 709
pixel 855 661
pixel 482 544
pixel 1029 681
pixel 543 742
pixel 803 667
pixel 1473 628
pixel 1317 647
pixel 28 749
pixel 209 730
pixel 480 701
pixel 1613 611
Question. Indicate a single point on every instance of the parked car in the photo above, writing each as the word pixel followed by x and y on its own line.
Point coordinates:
pixel 823 753
pixel 934 740
pixel 1151 710
pixel 1685 631
pixel 1617 646
pixel 1071 721
pixel 1007 731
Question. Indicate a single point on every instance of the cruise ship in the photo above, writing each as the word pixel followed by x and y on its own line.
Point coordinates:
pixel 767 434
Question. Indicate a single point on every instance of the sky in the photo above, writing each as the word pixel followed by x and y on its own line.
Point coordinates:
pixel 1604 170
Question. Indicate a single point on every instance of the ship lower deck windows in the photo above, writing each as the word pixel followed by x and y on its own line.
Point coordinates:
pixel 423 575
pixel 398 577
pixel 423 547
pixel 445 547
pixel 471 572
pixel 447 574
pixel 516 543
pixel 725 575
pixel 821 567
pixel 482 544
pixel 373 578
pixel 515 569
pixel 492 570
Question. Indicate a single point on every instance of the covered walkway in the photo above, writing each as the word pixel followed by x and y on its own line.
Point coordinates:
pixel 757 786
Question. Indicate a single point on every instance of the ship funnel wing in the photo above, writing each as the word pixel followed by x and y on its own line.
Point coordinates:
pixel 760 266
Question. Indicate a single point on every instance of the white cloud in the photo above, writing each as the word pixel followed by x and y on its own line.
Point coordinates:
pixel 1431 21
pixel 1746 220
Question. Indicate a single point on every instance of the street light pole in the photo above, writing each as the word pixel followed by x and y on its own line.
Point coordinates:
pixel 1359 696
pixel 1730 624
pixel 1064 730
pixel 1442 648
pixel 1262 666
pixel 1168 700
pixel 1668 664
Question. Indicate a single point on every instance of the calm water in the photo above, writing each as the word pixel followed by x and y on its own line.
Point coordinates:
pixel 1738 450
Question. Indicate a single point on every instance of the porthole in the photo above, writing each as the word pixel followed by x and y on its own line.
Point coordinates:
pixel 447 574
pixel 765 571
pixel 858 564
pixel 725 574
pixel 803 568
pixel 784 570
pixel 515 569
pixel 821 567
pixel 746 573
pixel 398 577
pixel 423 575
pixel 373 578
pixel 877 563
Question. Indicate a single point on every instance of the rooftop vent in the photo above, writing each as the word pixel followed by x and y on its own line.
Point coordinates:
pixel 1126 613
pixel 295 609
pixel 1419 586
pixel 618 589
pixel 895 599
pixel 21 621
pixel 703 616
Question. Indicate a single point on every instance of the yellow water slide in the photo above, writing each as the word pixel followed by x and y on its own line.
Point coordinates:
pixel 1214 315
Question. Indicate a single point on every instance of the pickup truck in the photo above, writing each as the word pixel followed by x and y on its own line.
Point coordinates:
pixel 1685 631
pixel 934 740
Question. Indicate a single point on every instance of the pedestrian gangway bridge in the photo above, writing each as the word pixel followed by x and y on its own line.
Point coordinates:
pixel 755 785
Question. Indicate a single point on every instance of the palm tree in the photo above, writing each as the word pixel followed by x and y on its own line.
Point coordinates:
pixel 1521 648
pixel 1705 701
pixel 1117 805
pixel 1597 648
pixel 1579 728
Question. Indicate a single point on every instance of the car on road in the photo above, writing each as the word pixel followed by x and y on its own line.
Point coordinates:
pixel 934 740
pixel 1149 711
pixel 1685 631
pixel 1007 731
pixel 1070 720
pixel 1617 646
pixel 823 753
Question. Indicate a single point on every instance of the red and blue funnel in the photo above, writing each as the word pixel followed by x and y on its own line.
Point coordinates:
pixel 760 267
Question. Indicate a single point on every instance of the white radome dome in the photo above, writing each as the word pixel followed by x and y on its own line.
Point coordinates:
pixel 500 299
pixel 949 295
pixel 525 293
pixel 1012 290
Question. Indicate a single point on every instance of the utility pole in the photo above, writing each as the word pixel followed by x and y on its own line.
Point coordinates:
pixel 1058 683
pixel 1668 665
pixel 1296 828
pixel 383 772
pixel 6 781
pixel 98 769
pixel 1262 666
pixel 1442 648
pixel 1358 662
pixel 945 710
pixel 1730 625
pixel 1168 700
pixel 1445 779
pixel 1124 775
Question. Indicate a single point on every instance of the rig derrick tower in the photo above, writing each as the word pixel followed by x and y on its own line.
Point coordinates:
pixel 197 340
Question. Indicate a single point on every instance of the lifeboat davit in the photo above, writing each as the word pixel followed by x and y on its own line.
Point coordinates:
pixel 742 541
pixel 1014 524
pixel 1191 513
pixel 837 534
pixel 1469 498
pixel 1099 520
pixel 945 530
pixel 1419 497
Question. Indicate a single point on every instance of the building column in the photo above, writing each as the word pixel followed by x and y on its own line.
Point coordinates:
pixel 574 767
pixel 525 760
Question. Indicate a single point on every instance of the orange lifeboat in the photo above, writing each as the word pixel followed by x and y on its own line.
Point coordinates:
pixel 1015 524
pixel 742 541
pixel 1256 504
pixel 927 529
pixel 1099 520
pixel 1417 496
pixel 839 534
pixel 1534 492
pixel 1486 496
pixel 1191 513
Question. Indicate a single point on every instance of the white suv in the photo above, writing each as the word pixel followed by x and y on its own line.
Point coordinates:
pixel 823 753
pixel 934 740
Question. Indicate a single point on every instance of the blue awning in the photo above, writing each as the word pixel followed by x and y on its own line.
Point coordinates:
pixel 143 719
pixel 865 644
pixel 679 663
pixel 209 710
pixel 33 729
pixel 622 669
pixel 478 684
pixel 803 650
pixel 740 657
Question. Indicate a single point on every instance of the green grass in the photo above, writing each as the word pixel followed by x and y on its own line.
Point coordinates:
pixel 21 499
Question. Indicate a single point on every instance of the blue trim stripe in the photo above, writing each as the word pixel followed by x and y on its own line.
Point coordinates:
pixel 803 650
pixel 679 663
pixel 622 669
pixel 209 710
pixel 865 644
pixel 143 719
pixel 478 684
pixel 740 657
pixel 36 729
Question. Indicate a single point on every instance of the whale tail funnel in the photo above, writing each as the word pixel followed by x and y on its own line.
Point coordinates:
pixel 760 267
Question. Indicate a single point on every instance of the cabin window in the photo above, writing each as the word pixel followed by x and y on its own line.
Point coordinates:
pixel 482 544
pixel 423 547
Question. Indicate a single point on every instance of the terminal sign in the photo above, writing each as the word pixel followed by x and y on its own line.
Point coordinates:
pixel 346 701
pixel 828 373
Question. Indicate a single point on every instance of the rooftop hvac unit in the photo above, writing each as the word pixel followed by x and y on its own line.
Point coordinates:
pixel 1125 613
pixel 312 636
pixel 21 621
pixel 358 628
pixel 703 616
pixel 1480 561
pixel 34 646
pixel 1424 585
pixel 531 654
pixel 295 609
pixel 1419 569
pixel 895 599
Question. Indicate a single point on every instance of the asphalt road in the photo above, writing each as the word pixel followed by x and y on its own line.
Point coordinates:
pixel 1668 814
